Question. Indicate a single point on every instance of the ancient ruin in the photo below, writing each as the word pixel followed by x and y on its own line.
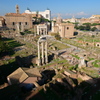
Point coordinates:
pixel 42 29
pixel 42 49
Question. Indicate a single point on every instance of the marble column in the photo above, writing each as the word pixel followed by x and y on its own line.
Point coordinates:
pixel 39 60
pixel 17 28
pixel 37 30
pixel 46 55
pixel 22 27
pixel 42 52
pixel 46 31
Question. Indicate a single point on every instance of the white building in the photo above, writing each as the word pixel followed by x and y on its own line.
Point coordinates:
pixel 46 14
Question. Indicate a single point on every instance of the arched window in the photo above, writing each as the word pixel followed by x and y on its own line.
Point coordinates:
pixel 19 23
pixel 67 28
pixel 13 23
pixel 25 23
pixel 47 15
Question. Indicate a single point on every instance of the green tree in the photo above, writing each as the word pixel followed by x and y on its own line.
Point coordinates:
pixel 68 22
pixel 93 29
pixel 3 46
pixel 89 24
pixel 81 27
pixel 76 25
pixel 87 27
pixel 56 35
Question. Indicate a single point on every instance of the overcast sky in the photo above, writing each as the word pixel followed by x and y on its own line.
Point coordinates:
pixel 66 8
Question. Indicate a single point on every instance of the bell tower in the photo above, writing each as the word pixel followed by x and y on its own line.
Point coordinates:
pixel 17 9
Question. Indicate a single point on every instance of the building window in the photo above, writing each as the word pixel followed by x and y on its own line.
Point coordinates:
pixel 19 23
pixel 25 23
pixel 67 28
pixel 47 15
pixel 13 23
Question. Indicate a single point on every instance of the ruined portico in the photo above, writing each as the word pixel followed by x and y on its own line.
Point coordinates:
pixel 42 29
pixel 42 49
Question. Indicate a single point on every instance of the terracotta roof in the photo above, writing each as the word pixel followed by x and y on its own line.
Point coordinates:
pixel 20 75
pixel 33 72
pixel 17 76
pixel 25 14
pixel 13 14
pixel 30 80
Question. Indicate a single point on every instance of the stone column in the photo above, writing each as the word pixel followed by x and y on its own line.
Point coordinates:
pixel 41 31
pixel 46 56
pixel 37 30
pixel 9 81
pixel 17 28
pixel 39 60
pixel 22 27
pixel 46 31
pixel 42 52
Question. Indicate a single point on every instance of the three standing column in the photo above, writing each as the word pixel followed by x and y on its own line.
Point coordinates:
pixel 42 53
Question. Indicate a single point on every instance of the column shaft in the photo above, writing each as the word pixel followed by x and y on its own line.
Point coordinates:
pixel 39 54
pixel 42 52
pixel 37 30
pixel 46 55
pixel 46 31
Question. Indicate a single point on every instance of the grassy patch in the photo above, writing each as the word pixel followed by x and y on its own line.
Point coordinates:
pixel 95 63
pixel 71 67
pixel 8 61
pixel 58 76
pixel 91 72
pixel 11 44
pixel 75 56
pixel 59 45
pixel 90 58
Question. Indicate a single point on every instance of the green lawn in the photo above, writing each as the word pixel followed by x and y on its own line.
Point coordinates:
pixel 59 45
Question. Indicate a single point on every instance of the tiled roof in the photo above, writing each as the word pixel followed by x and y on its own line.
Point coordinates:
pixel 13 14
pixel 33 72
pixel 20 75
pixel 17 76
